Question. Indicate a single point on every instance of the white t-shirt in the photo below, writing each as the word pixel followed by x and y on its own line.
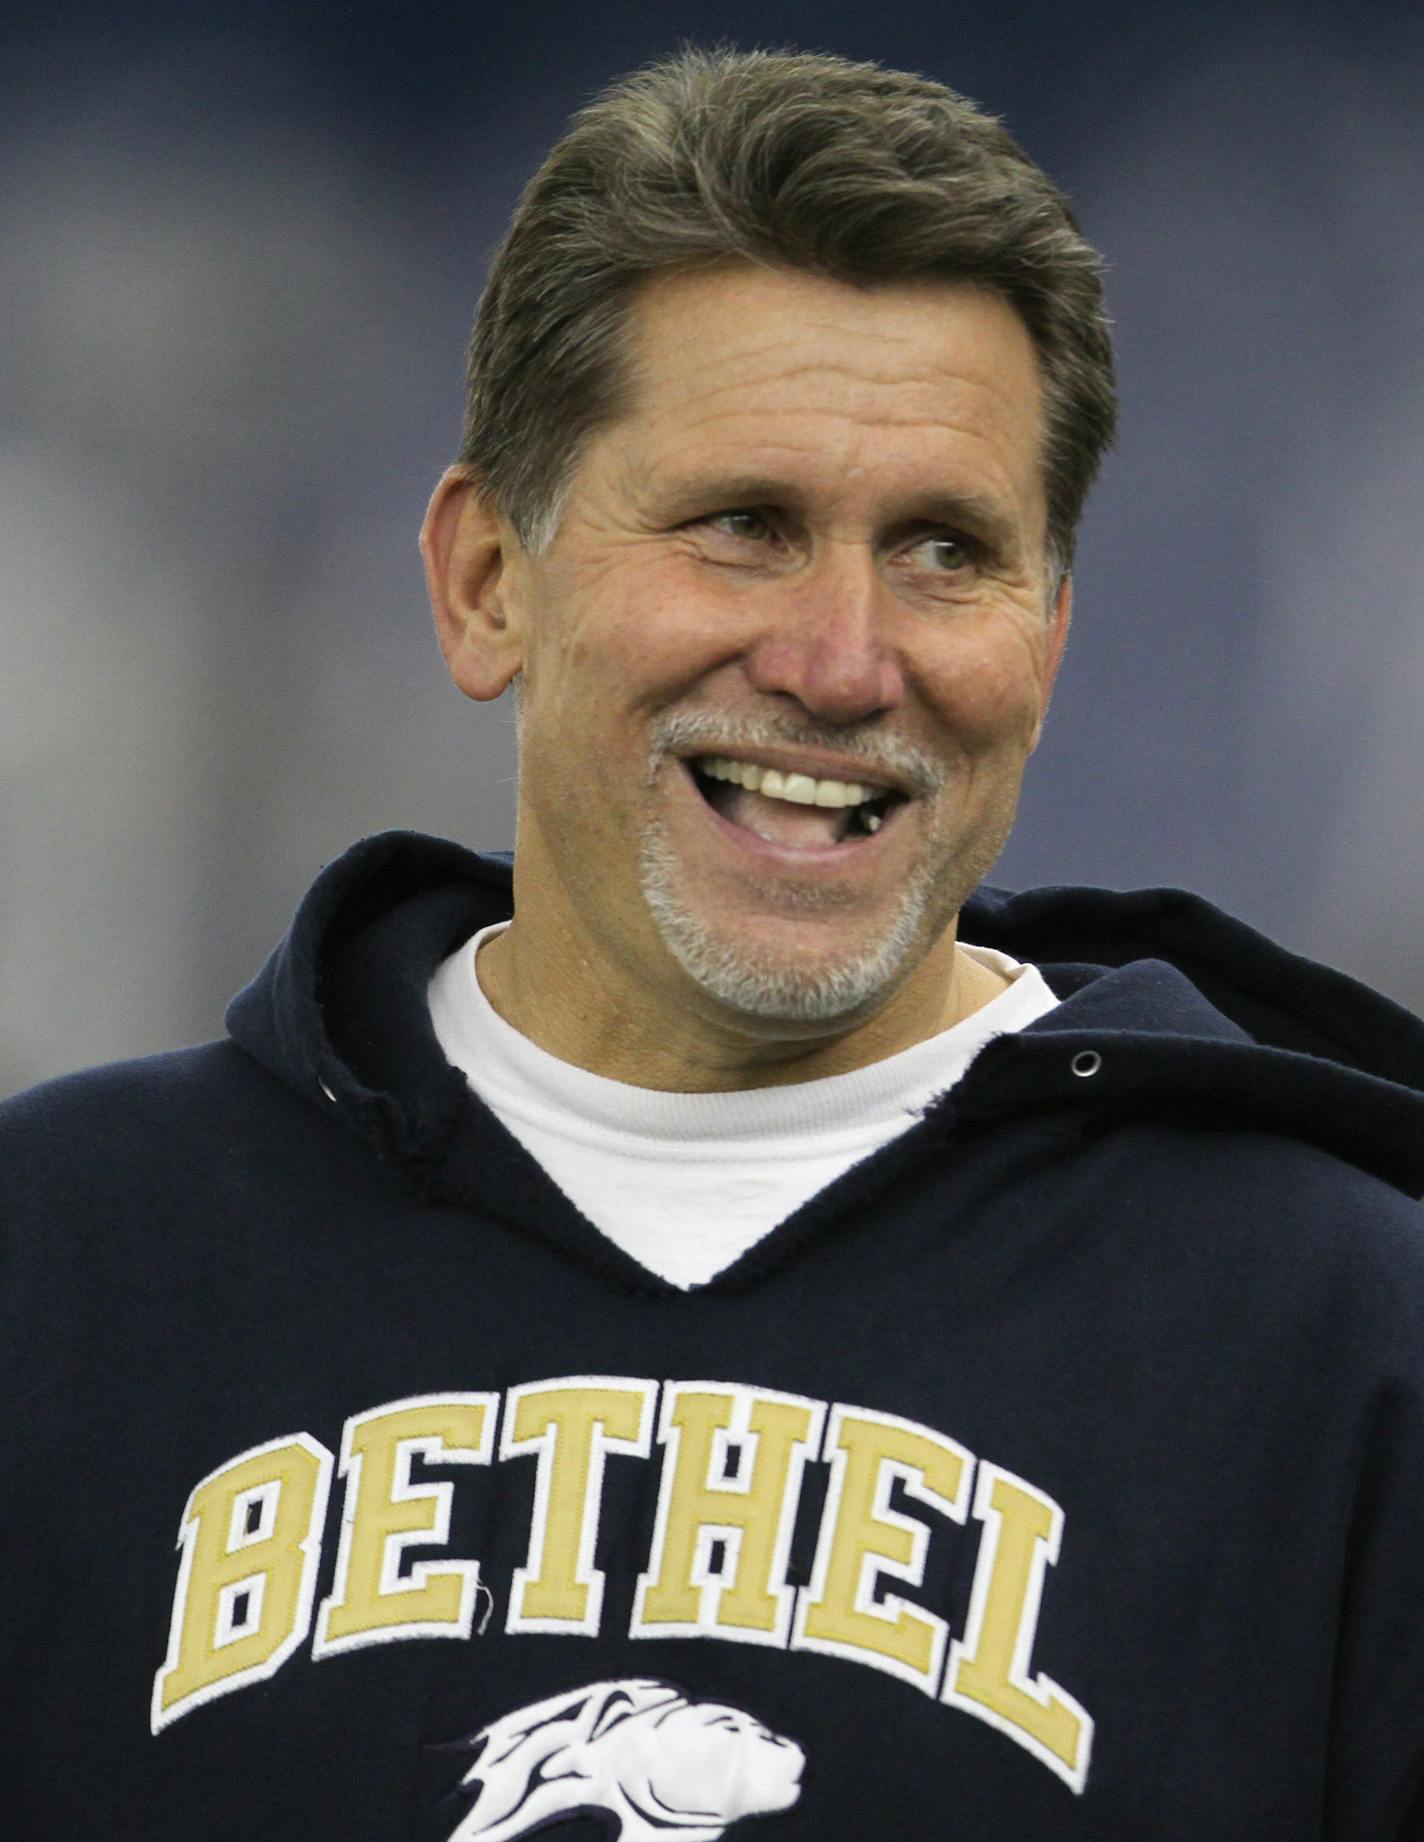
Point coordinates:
pixel 685 1183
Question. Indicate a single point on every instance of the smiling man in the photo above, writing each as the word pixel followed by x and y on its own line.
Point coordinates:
pixel 782 661
pixel 725 1322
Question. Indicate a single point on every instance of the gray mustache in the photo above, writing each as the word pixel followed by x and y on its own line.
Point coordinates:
pixel 873 752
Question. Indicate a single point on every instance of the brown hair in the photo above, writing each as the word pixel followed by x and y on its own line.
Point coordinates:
pixel 864 175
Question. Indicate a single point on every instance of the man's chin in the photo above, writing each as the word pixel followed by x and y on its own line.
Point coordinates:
pixel 770 978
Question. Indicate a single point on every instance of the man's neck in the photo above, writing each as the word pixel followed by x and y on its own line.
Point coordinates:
pixel 562 1005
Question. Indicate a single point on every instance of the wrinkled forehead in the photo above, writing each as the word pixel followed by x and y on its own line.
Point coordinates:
pixel 860 400
pixel 739 325
pixel 780 371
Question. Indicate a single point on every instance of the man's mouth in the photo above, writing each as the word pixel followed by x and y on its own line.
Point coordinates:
pixel 787 808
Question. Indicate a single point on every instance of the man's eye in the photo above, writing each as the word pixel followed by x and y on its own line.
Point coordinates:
pixel 750 525
pixel 944 554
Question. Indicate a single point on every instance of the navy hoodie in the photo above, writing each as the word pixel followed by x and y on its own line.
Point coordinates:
pixel 1057 1473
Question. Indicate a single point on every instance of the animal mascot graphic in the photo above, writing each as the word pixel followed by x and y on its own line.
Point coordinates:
pixel 639 1754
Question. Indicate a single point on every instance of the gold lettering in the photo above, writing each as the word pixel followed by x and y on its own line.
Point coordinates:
pixel 572 1424
pixel 702 1507
pixel 988 1671
pixel 385 1513
pixel 863 1541
pixel 250 1540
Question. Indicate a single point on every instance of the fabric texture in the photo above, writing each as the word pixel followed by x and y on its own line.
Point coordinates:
pixel 1057 1472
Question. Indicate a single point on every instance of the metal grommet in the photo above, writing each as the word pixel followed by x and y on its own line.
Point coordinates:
pixel 327 1091
pixel 1086 1062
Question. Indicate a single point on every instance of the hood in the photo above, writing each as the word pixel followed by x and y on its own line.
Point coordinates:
pixel 1171 1011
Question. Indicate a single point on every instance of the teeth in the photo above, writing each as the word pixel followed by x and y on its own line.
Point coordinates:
pixel 800 789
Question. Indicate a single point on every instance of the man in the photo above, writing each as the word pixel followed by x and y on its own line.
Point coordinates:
pixel 769 1338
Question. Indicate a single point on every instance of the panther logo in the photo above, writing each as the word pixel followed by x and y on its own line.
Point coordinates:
pixel 638 1753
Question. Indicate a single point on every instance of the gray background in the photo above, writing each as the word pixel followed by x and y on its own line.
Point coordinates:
pixel 238 254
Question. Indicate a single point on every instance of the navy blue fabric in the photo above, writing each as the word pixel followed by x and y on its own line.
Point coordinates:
pixel 1180 1296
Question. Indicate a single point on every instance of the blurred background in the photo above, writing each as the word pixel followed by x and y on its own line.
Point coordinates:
pixel 239 250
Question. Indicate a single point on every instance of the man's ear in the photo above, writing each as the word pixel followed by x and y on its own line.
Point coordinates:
pixel 463 544
pixel 1059 620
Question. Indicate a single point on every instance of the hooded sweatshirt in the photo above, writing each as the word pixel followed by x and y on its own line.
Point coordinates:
pixel 1057 1472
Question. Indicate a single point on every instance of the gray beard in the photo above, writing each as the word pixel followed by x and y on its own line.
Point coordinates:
pixel 739 979
pixel 732 973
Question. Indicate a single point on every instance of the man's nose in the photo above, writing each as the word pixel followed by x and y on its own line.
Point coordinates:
pixel 826 641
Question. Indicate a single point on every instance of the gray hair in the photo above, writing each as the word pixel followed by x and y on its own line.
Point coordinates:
pixel 862 175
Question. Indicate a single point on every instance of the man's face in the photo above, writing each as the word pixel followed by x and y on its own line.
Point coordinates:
pixel 790 647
